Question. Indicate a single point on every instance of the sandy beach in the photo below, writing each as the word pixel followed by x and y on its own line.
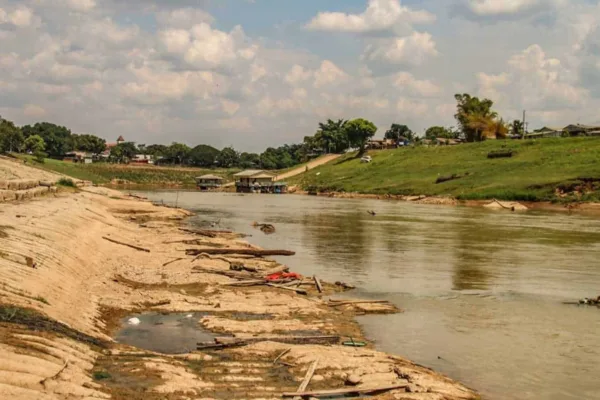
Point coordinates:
pixel 75 262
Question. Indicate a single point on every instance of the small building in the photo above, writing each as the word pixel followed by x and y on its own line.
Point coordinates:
pixel 209 182
pixel 142 159
pixel 258 181
pixel 381 144
pixel 78 157
pixel 581 130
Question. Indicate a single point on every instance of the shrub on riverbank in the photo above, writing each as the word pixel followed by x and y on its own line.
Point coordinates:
pixel 537 171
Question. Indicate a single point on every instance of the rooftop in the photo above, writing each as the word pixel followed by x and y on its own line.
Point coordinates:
pixel 250 173
pixel 210 177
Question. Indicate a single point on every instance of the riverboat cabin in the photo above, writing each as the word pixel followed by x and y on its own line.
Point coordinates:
pixel 209 182
pixel 258 181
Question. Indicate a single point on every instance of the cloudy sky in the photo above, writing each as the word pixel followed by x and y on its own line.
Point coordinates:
pixel 256 73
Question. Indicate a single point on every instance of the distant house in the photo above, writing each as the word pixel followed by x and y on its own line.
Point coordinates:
pixel 381 144
pixel 109 146
pixel 209 182
pixel 79 157
pixel 582 130
pixel 258 181
pixel 142 159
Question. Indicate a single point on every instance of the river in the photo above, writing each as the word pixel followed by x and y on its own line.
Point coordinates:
pixel 483 290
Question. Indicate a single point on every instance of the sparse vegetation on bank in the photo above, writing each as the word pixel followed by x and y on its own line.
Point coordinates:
pixel 564 169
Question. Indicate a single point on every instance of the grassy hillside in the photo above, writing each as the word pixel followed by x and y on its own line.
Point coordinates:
pixel 533 173
pixel 103 173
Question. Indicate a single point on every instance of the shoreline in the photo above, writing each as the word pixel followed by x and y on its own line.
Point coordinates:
pixel 584 207
pixel 74 287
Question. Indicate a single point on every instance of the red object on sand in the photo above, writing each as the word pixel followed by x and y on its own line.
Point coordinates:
pixel 283 275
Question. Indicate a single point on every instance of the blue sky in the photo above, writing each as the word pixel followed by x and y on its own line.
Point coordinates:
pixel 262 73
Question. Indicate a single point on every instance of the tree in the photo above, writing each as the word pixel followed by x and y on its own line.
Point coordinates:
pixel 249 160
pixel 397 131
pixel 123 152
pixel 359 131
pixel 11 137
pixel 88 143
pixel 228 158
pixel 331 136
pixel 203 156
pixel 440 132
pixel 497 128
pixel 470 114
pixel 57 138
pixel 486 126
pixel 179 152
pixel 516 127
pixel 157 150
pixel 34 144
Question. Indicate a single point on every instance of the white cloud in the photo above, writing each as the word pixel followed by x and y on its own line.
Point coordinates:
pixel 498 7
pixel 425 88
pixel 411 107
pixel 329 73
pixel 183 18
pixel 20 17
pixel 297 74
pixel 380 15
pixel 410 50
pixel 81 5
pixel 34 111
pixel 534 82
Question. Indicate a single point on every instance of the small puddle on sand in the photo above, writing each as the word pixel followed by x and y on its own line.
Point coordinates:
pixel 173 333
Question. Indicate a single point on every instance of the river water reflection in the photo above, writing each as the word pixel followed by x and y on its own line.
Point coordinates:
pixel 482 290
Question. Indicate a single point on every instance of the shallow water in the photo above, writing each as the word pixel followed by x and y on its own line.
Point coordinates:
pixel 173 333
pixel 483 290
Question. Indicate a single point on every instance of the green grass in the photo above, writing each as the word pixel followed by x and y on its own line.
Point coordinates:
pixel 66 182
pixel 533 173
pixel 105 173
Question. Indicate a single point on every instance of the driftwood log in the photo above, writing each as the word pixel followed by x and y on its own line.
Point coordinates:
pixel 318 284
pixel 336 303
pixel 299 291
pixel 346 391
pixel 207 233
pixel 276 270
pixel 225 342
pixel 251 252
pixel 307 378
pixel 126 244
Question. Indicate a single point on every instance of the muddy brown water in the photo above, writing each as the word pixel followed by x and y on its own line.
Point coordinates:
pixel 168 333
pixel 483 290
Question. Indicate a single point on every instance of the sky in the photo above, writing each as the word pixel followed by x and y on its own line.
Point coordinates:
pixel 259 73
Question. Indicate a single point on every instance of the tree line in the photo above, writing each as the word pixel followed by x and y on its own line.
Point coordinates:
pixel 476 121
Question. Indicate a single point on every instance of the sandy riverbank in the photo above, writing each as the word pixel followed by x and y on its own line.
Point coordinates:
pixel 64 289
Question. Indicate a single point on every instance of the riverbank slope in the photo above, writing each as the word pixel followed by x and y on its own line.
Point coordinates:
pixel 562 169
pixel 69 275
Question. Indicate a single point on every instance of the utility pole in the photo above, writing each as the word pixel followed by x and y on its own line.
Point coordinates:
pixel 524 129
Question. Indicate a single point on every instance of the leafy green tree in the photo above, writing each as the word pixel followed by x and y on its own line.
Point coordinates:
pixel 397 131
pixel 179 152
pixel 249 160
pixel 57 138
pixel 123 152
pixel 88 143
pixel 157 150
pixel 471 114
pixel 228 158
pixel 332 137
pixel 359 131
pixel 11 137
pixel 516 127
pixel 34 144
pixel 440 132
pixel 203 156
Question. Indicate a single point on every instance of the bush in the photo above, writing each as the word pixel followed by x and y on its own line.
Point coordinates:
pixel 101 375
pixel 40 156
pixel 66 182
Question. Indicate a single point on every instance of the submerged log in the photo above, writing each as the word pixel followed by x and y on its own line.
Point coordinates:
pixel 336 303
pixel 204 232
pixel 252 252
